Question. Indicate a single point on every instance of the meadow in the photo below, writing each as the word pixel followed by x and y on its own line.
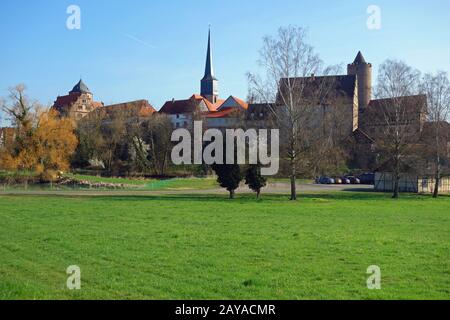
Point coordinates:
pixel 209 247
pixel 129 184
pixel 154 184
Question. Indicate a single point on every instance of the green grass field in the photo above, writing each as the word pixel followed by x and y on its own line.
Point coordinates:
pixel 209 247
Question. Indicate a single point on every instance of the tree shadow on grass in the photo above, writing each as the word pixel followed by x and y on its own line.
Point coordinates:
pixel 246 198
pixel 249 198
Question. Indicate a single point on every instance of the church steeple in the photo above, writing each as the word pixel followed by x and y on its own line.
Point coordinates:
pixel 209 70
pixel 209 83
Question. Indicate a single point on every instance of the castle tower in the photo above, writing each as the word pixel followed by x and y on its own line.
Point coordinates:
pixel 81 88
pixel 77 104
pixel 209 83
pixel 363 72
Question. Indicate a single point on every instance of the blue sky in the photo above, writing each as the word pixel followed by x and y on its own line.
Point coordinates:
pixel 38 49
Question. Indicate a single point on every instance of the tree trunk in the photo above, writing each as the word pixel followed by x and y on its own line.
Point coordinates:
pixel 293 177
pixel 438 180
pixel 396 175
pixel 258 194
pixel 232 193
pixel 293 189
pixel 396 186
pixel 438 163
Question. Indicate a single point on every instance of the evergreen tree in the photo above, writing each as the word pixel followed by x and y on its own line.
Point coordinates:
pixel 229 176
pixel 255 180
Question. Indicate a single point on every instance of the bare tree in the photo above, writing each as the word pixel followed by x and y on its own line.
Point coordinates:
pixel 19 108
pixel 327 153
pixel 437 89
pixel 399 113
pixel 91 140
pixel 289 84
pixel 23 114
pixel 114 132
pixel 158 133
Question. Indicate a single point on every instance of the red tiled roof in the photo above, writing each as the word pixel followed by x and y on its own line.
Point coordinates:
pixel 66 101
pixel 63 101
pixel 96 104
pixel 241 102
pixel 189 105
pixel 197 97
pixel 142 107
pixel 218 103
pixel 211 106
pixel 180 106
pixel 224 113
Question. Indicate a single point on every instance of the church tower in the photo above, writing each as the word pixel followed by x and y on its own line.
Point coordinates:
pixel 209 83
pixel 363 72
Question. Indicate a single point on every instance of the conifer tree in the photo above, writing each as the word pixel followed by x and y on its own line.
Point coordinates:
pixel 229 176
pixel 255 180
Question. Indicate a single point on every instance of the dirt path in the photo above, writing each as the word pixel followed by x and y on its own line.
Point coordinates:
pixel 278 188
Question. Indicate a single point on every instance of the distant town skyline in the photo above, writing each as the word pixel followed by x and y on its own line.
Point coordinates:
pixel 156 50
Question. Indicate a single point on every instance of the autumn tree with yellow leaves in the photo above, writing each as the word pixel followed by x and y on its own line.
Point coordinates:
pixel 43 141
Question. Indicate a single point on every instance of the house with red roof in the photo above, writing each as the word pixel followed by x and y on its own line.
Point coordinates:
pixel 229 114
pixel 182 113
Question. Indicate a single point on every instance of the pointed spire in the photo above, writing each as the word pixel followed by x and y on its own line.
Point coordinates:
pixel 209 70
pixel 209 85
pixel 359 58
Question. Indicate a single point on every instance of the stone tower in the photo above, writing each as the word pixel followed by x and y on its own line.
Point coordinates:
pixel 209 83
pixel 363 72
